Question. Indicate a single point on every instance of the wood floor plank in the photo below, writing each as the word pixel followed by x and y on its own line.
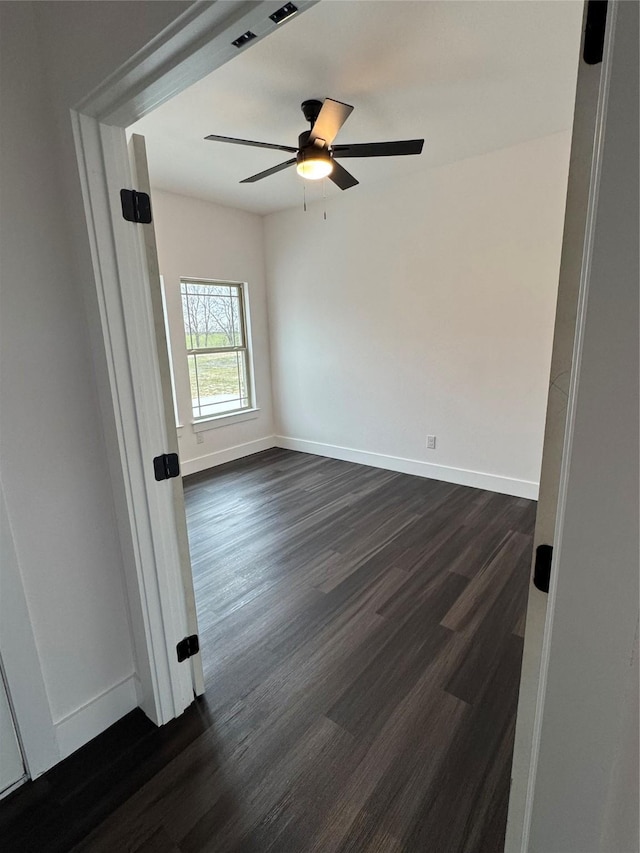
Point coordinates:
pixel 415 728
pixel 364 835
pixel 486 637
pixel 361 640
pixel 459 813
pixel 472 606
pixel 159 842
pixel 394 670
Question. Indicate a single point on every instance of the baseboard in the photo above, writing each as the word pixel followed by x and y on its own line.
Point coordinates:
pixel 81 726
pixel 459 476
pixel 447 473
pixel 219 457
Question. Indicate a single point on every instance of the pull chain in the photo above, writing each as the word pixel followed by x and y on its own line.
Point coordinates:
pixel 304 196
pixel 324 197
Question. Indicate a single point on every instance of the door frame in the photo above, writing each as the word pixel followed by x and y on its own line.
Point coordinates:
pixel 194 45
pixel 122 331
pixel 592 95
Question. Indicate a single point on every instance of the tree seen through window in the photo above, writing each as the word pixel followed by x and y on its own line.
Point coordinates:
pixel 215 331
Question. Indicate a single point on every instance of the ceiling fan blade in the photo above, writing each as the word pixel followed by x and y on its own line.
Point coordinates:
pixel 379 149
pixel 267 172
pixel 330 119
pixel 214 138
pixel 341 178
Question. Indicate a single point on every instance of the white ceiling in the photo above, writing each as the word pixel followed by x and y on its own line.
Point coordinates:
pixel 469 77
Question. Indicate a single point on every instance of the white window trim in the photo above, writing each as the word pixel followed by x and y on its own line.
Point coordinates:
pixel 243 288
pixel 217 421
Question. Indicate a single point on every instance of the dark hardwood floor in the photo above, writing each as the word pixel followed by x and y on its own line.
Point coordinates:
pixel 361 634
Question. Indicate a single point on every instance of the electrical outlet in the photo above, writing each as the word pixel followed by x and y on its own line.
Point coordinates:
pixel 431 442
pixel 199 438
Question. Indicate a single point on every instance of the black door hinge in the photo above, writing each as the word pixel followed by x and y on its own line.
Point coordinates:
pixel 166 466
pixel 188 647
pixel 542 567
pixel 136 207
pixel 593 47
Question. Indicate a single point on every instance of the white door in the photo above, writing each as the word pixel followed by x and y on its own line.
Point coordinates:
pixel 11 765
pixel 140 171
pixel 584 147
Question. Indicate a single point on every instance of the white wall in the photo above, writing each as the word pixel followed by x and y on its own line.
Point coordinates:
pixel 203 240
pixel 55 473
pixel 424 306
pixel 586 788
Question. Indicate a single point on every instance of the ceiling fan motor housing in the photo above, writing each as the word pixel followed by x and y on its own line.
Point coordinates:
pixel 303 139
pixel 303 142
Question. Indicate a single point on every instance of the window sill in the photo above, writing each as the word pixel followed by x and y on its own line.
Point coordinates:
pixel 225 420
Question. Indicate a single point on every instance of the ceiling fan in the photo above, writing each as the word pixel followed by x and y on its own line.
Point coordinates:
pixel 316 155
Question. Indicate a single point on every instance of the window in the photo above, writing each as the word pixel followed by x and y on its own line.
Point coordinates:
pixel 217 351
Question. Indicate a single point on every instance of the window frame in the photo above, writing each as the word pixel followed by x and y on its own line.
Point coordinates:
pixel 242 412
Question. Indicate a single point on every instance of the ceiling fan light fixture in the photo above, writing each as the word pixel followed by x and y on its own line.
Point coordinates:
pixel 314 165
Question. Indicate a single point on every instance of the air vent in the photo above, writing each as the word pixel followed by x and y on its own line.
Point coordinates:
pixel 243 39
pixel 283 13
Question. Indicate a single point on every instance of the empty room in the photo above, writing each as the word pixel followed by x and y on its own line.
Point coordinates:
pixel 332 334
pixel 361 378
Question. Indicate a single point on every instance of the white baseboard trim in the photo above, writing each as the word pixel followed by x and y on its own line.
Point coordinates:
pixel 219 457
pixel 81 726
pixel 459 476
